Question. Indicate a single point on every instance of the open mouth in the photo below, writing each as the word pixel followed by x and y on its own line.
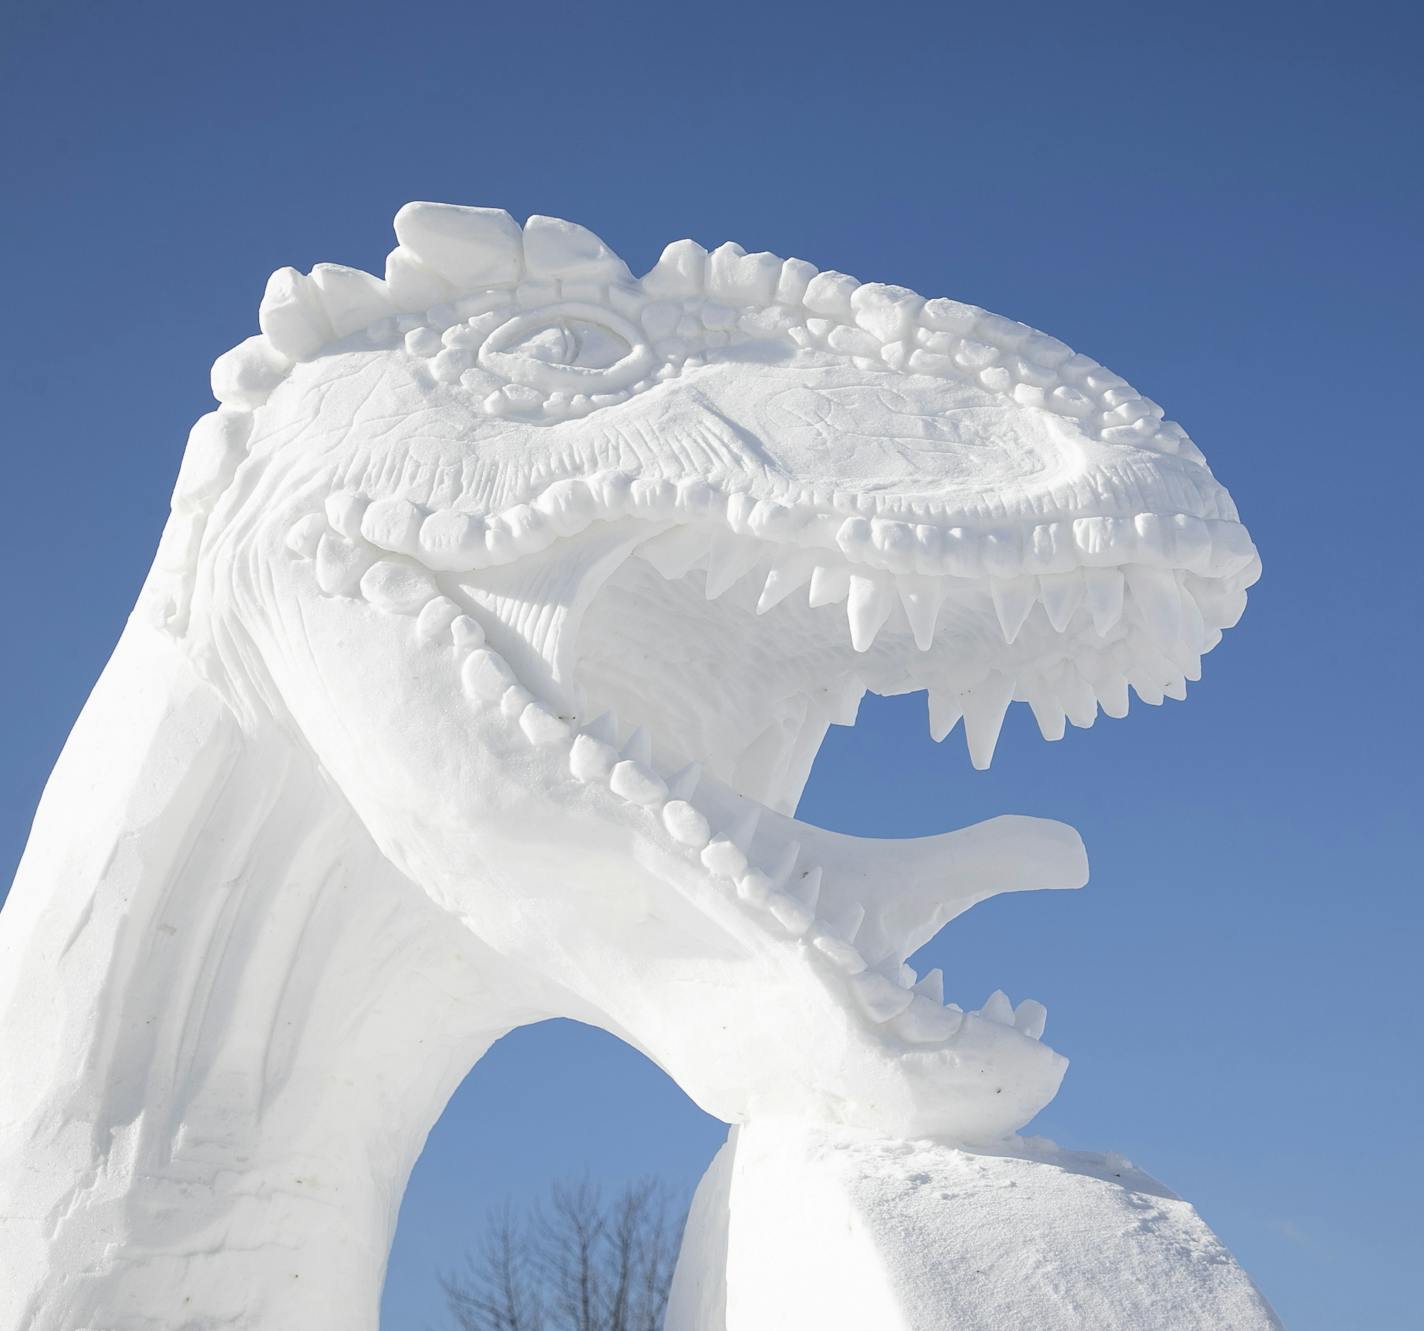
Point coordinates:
pixel 688 649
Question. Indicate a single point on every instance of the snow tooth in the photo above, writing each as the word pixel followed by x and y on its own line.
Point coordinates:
pixel 1030 1017
pixel 843 700
pixel 781 871
pixel 998 1008
pixel 435 618
pixel 393 524
pixel 879 998
pixel 590 759
pixel 684 785
pixel 1145 685
pixel 1013 599
pixel 868 605
pixel 844 921
pixel 397 588
pixel 829 584
pixel 724 857
pixel 1103 589
pixel 945 711
pixel 1048 712
pixel 1112 694
pixel 340 564
pixel 639 747
pixel 754 887
pixel 485 676
pixel 984 708
pixel 922 598
pixel 1158 600
pixel 542 726
pixel 727 562
pixel 744 829
pixel 926 1022
pixel 305 534
pixel 344 511
pixel 1078 697
pixel 806 887
pixel 791 914
pixel 1062 595
pixel 1194 630
pixel 839 953
pixel 604 728
pixel 466 634
pixel 631 780
pixel 674 553
pixel 451 541
pixel 686 824
pixel 514 700
pixel 931 985
pixel 787 573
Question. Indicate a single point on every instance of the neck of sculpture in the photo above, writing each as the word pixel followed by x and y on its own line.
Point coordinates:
pixel 223 1015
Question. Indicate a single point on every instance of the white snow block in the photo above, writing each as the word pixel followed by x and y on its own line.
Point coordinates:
pixel 802 1228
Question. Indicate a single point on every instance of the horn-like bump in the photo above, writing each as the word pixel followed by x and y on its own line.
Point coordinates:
pixel 291 315
pixel 738 278
pixel 888 313
pixel 556 248
pixel 351 299
pixel 468 247
pixel 681 271
pixel 246 375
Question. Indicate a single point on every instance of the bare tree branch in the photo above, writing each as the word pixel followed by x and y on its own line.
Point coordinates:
pixel 573 1264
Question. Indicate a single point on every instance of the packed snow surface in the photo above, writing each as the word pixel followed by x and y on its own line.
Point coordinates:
pixel 798 1227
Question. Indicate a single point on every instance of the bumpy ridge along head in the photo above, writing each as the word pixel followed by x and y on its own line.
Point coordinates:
pixel 467 287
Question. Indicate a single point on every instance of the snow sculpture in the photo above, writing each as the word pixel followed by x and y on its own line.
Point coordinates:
pixel 503 607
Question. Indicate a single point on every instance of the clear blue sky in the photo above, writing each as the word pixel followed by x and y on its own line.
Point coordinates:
pixel 1220 201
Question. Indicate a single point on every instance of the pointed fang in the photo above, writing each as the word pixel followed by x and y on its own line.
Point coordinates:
pixel 984 708
pixel 868 606
pixel 945 712
pixel 1013 599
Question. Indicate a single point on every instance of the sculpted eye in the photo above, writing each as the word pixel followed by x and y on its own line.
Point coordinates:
pixel 568 348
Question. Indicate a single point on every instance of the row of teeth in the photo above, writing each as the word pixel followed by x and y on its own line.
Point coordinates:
pixel 451 261
pixel 1160 620
pixel 452 541
pixel 784 888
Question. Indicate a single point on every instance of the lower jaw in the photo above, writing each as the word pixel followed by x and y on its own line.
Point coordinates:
pixel 620 929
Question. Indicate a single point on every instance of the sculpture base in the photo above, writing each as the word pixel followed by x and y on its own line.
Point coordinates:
pixel 807 1228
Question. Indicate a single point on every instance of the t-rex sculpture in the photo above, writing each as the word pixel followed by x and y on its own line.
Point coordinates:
pixel 502 610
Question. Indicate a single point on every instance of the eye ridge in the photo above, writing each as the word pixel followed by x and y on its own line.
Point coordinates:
pixel 501 353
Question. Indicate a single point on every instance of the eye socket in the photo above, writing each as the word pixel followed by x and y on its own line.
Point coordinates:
pixel 569 348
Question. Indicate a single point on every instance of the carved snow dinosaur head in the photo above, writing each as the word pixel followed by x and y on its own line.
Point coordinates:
pixel 562 576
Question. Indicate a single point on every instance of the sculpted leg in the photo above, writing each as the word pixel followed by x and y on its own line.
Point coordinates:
pixel 229 1027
